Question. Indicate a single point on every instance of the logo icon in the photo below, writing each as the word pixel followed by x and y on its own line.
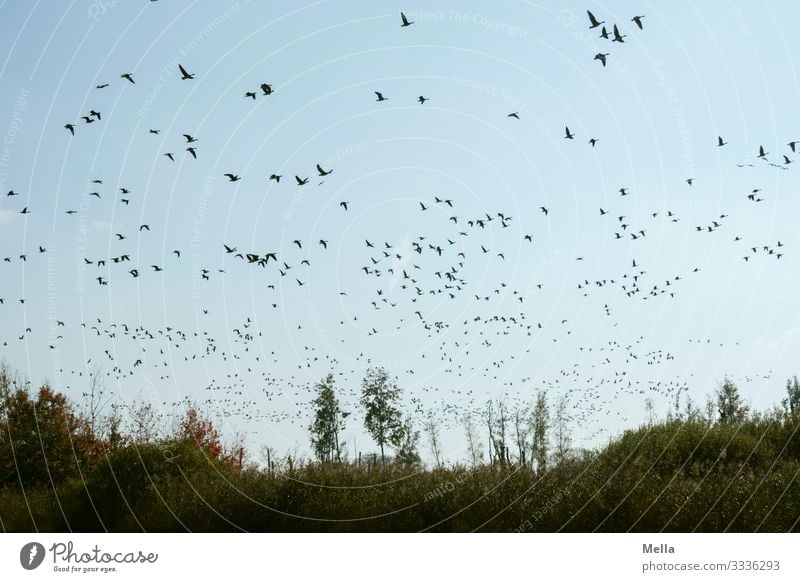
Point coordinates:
pixel 31 555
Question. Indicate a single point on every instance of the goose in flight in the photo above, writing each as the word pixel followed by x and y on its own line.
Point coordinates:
pixel 251 95
pixel 761 152
pixel 301 181
pixel 405 20
pixel 638 21
pixel 380 96
pixel 422 100
pixel 232 177
pixel 71 128
pixel 323 172
pixel 617 36
pixel 593 22
pixel 569 135
pixel 514 114
pixel 266 88
pixel 189 138
pixel 720 143
pixel 192 151
pixel 601 57
pixel 129 77
pixel 184 73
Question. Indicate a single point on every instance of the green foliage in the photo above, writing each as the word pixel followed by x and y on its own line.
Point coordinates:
pixel 729 403
pixel 383 420
pixel 328 423
pixel 683 474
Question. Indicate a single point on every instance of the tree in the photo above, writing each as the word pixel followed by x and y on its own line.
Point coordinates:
pixel 562 432
pixel 407 452
pixel 43 440
pixel 521 426
pixel 383 420
pixel 200 431
pixel 539 423
pixel 431 428
pixel 792 401
pixel 497 423
pixel 328 422
pixel 473 444
pixel 729 403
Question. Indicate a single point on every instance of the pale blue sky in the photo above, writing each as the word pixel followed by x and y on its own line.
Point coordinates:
pixel 693 73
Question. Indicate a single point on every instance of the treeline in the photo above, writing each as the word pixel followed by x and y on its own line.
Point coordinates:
pixel 70 467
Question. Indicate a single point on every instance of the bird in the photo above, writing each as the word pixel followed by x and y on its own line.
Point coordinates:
pixel 276 177
pixel 422 100
pixel 405 20
pixel 792 145
pixel 184 73
pixel 170 156
pixel 593 141
pixel 343 205
pixel 720 143
pixel 301 181
pixel 232 177
pixel 189 138
pixel 546 211
pixel 266 88
pixel 638 21
pixel 514 114
pixel 192 151
pixel 593 22
pixel 568 134
pixel 71 128
pixel 250 94
pixel 129 77
pixel 617 36
pixel 380 96
pixel 761 152
pixel 601 57
pixel 323 172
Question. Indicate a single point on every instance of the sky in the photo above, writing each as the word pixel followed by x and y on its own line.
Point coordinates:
pixel 551 312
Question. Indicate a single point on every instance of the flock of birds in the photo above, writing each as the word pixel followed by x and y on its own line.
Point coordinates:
pixel 406 280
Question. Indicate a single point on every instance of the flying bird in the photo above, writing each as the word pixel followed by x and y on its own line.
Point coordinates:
pixel 380 96
pixel 405 20
pixel 638 21
pixel 593 22
pixel 184 73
